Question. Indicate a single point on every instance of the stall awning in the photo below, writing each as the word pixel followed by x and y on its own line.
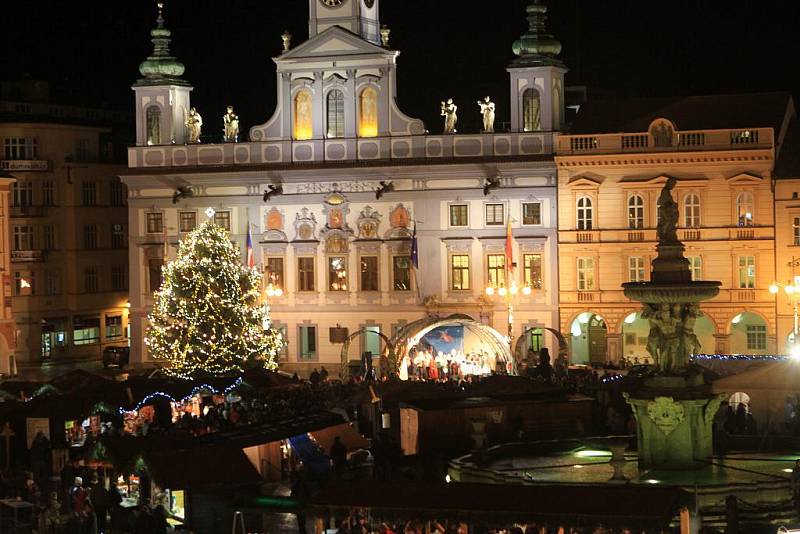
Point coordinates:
pixel 200 467
pixel 350 437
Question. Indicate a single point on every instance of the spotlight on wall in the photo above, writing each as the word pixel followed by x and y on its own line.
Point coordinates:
pixel 385 187
pixel 491 184
pixel 182 192
pixel 272 190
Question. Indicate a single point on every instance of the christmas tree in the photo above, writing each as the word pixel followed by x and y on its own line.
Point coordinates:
pixel 206 317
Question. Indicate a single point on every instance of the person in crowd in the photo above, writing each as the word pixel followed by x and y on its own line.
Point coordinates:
pixel 30 490
pixel 741 418
pixel 77 495
pixel 50 519
pixel 323 374
pixel 100 500
pixel 339 456
pixel 314 377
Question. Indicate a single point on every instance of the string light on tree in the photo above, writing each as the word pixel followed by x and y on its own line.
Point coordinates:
pixel 207 316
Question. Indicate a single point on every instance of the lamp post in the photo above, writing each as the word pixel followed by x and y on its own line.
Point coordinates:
pixel 508 295
pixel 792 290
pixel 271 291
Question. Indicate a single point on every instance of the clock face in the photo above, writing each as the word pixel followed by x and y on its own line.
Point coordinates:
pixel 332 3
pixel 369 3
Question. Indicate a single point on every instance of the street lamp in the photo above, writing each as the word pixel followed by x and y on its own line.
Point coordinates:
pixel 792 291
pixel 509 295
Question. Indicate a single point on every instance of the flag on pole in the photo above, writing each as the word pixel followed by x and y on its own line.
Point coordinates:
pixel 414 250
pixel 510 249
pixel 251 259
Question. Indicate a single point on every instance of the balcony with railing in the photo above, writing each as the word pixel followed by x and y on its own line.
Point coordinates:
pixel 27 256
pixel 680 141
pixel 28 211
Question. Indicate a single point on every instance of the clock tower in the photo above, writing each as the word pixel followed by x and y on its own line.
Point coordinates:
pixel 358 16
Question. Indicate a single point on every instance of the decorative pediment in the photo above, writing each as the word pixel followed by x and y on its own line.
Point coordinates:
pixel 368 222
pixel 583 181
pixel 745 178
pixel 274 226
pixel 305 225
pixel 335 78
pixel 334 41
pixel 335 209
pixel 399 221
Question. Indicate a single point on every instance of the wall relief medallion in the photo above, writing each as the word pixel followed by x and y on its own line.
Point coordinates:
pixel 305 225
pixel 666 414
pixel 368 222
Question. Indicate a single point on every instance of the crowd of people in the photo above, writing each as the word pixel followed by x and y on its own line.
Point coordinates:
pixel 426 363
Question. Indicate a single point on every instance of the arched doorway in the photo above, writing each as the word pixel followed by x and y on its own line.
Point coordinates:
pixel 748 334
pixel 531 335
pixel 635 330
pixel 476 347
pixel 704 329
pixel 388 361
pixel 588 339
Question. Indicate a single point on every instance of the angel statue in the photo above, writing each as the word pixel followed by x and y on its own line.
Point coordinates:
pixel 231 122
pixel 448 111
pixel 487 110
pixel 194 124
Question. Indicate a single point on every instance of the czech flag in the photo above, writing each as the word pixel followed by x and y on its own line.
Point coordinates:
pixel 414 249
pixel 251 259
pixel 510 265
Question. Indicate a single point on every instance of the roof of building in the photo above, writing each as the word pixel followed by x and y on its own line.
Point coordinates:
pixel 787 164
pixel 710 112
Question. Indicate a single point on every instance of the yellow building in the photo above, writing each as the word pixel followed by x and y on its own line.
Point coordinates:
pixel 610 172
pixel 67 278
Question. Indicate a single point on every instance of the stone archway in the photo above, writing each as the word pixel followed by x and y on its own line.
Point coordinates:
pixel 388 355
pixel 519 346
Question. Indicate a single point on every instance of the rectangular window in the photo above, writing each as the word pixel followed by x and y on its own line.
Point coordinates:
pixel 756 337
pixel 459 272
pixel 48 193
pixel 747 272
pixel 369 273
pixel 90 236
pixel 494 214
pixel 48 237
pixel 51 282
pixel 496 270
pixel 459 215
pixel 585 274
pixel 308 342
pixel 305 274
pixel 531 213
pixel 636 269
pixel 401 273
pixel 337 273
pixel 154 267
pixel 23 237
pixel 24 283
pixel 119 278
pixel 188 220
pixel 91 282
pixel 155 223
pixel 22 194
pixel 83 150
pixel 223 219
pixel 118 236
pixel 116 193
pixel 273 272
pixel 20 148
pixel 532 270
pixel 696 267
pixel 89 193
pixel 796 231
pixel 113 326
pixel 86 329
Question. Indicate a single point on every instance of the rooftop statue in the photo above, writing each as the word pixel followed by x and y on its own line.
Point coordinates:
pixel 194 125
pixel 230 122
pixel 488 112
pixel 448 111
pixel 286 37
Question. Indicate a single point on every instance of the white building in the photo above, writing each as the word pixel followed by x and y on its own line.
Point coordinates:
pixel 341 255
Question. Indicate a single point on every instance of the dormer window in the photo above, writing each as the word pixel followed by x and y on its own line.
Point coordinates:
pixel 368 113
pixel 303 124
pixel 335 107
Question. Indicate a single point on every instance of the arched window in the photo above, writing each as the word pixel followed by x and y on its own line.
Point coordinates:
pixel 744 209
pixel 691 211
pixel 368 113
pixel 153 118
pixel 635 212
pixel 531 111
pixel 584 213
pixel 335 107
pixel 303 124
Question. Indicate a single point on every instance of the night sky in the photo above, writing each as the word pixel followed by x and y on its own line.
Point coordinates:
pixel 91 50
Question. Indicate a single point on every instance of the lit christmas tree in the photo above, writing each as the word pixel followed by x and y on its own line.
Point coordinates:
pixel 206 318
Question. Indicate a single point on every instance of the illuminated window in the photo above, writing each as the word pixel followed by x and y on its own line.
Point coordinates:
pixel 756 337
pixel 303 124
pixel 531 110
pixel 369 273
pixel 459 215
pixel 636 269
pixel 691 211
pixel 584 212
pixel 696 267
pixel 113 326
pixel 273 272
pixel 744 209
pixel 368 116
pixel 585 274
pixel 496 270
pixel 635 212
pixel 337 273
pixel 796 231
pixel 531 213
pixel 401 273
pixel 153 117
pixel 86 329
pixel 459 272
pixel 335 106
pixel 532 270
pixel 747 272
pixel 155 223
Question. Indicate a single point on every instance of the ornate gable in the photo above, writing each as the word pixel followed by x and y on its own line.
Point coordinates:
pixel 745 178
pixel 335 41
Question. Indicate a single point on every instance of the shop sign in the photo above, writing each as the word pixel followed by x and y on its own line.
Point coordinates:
pixel 25 165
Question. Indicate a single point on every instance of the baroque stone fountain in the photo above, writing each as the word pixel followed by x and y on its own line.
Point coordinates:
pixel 674 409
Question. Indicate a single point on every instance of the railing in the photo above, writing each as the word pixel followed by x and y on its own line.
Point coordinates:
pixel 580 144
pixel 22 256
pixel 745 295
pixel 635 141
pixel 585 296
pixel 585 237
pixel 746 234
pixel 692 139
pixel 635 236
pixel 691 235
pixel 27 211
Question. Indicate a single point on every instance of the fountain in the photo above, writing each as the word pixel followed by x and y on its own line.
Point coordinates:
pixel 675 408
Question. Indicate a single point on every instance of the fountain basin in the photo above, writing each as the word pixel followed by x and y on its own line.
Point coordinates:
pixel 671 293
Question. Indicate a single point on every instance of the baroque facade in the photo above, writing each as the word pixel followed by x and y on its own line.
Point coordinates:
pixel 335 184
